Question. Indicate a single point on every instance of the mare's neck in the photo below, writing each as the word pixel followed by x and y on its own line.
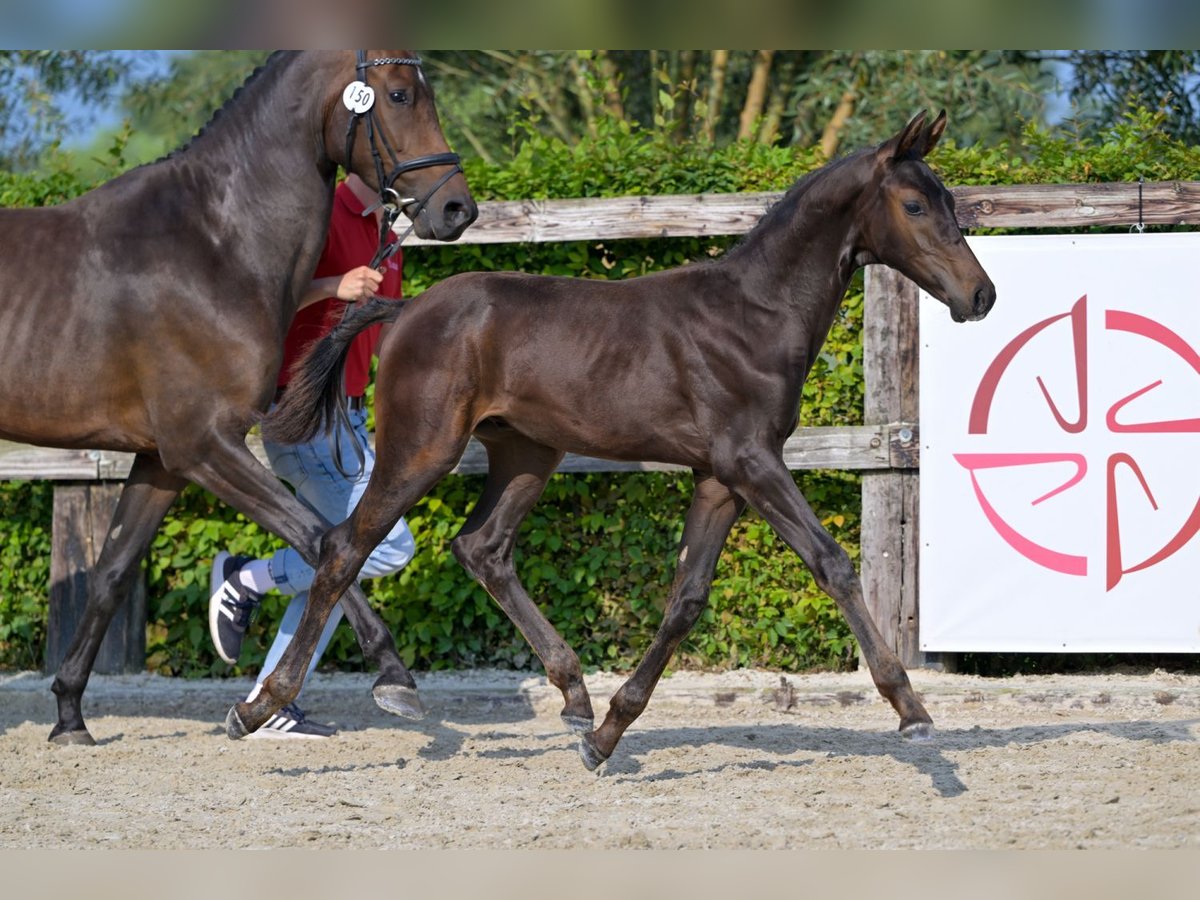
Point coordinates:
pixel 264 140
pixel 258 180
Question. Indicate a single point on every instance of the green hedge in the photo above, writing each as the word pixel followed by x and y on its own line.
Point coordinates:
pixel 596 551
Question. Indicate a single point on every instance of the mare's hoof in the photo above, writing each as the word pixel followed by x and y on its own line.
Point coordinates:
pixel 917 731
pixel 590 753
pixel 234 726
pixel 72 738
pixel 398 700
pixel 578 724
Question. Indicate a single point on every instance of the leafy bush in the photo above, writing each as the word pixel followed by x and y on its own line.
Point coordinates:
pixel 596 551
pixel 25 509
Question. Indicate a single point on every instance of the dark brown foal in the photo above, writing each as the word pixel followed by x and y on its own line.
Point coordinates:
pixel 700 366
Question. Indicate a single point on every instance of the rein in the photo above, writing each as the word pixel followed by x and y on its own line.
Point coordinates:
pixel 389 198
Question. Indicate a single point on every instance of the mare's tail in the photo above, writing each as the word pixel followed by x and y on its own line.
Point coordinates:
pixel 315 396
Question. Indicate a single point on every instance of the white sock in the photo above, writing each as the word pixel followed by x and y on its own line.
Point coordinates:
pixel 256 575
pixel 254 693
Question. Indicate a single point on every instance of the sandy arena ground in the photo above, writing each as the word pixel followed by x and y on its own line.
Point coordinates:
pixel 718 761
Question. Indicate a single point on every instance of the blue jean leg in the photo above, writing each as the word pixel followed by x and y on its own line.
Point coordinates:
pixel 311 471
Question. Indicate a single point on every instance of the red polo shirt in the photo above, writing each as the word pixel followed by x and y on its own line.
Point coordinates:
pixel 352 241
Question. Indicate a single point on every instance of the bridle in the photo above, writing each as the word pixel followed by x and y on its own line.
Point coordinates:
pixel 389 198
pixel 389 201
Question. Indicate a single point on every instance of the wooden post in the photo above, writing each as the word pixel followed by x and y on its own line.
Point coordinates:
pixel 82 514
pixel 890 512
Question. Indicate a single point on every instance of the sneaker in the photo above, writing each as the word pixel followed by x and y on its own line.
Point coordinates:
pixel 229 606
pixel 290 722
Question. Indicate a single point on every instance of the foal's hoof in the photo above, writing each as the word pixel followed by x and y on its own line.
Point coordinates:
pixel 590 753
pixel 398 700
pixel 234 726
pixel 578 724
pixel 72 738
pixel 917 731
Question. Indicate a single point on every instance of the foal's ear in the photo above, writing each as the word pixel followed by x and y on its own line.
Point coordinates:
pixel 933 134
pixel 908 141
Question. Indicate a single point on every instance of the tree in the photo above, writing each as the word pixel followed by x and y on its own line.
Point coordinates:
pixel 803 98
pixel 32 85
pixel 175 106
pixel 848 99
pixel 1105 83
pixel 837 99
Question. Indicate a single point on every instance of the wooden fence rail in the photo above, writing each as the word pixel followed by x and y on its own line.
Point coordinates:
pixel 852 447
pixel 885 448
pixel 705 215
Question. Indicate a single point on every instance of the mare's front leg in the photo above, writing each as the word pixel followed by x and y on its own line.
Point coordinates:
pixel 228 469
pixel 713 511
pixel 147 495
pixel 341 559
pixel 518 469
pixel 763 479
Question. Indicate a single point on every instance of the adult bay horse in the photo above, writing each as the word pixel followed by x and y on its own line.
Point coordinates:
pixel 700 366
pixel 149 314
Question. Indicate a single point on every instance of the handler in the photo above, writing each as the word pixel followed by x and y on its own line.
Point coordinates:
pixel 238 582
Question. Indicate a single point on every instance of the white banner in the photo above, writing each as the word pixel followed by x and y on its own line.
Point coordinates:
pixel 1060 451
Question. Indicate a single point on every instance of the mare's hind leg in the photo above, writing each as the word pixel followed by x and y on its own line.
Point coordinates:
pixel 228 469
pixel 396 484
pixel 713 511
pixel 147 495
pixel 517 472
pixel 768 486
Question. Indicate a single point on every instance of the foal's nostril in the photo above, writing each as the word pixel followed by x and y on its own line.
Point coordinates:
pixel 984 297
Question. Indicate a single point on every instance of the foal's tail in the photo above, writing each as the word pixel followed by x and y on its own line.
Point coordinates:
pixel 315 395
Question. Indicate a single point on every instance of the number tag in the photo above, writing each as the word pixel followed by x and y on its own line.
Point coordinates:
pixel 358 97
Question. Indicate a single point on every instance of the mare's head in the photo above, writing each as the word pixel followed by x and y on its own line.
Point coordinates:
pixel 906 220
pixel 382 124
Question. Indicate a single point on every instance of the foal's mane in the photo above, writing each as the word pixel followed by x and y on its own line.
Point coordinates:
pixel 781 212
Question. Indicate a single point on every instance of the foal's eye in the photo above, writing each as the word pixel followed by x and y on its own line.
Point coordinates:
pixel 398 96
pixel 912 208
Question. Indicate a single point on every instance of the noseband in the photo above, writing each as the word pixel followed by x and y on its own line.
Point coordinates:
pixel 389 198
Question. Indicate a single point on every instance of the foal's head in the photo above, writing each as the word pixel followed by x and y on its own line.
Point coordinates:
pixel 395 140
pixel 907 222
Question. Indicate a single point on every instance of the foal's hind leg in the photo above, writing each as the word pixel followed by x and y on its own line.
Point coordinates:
pixel 517 472
pixel 714 510
pixel 767 484
pixel 229 470
pixel 147 495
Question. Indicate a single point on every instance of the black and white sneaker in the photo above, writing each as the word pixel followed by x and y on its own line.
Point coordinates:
pixel 289 723
pixel 229 606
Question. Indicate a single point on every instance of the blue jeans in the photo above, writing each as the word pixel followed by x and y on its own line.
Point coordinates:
pixel 309 468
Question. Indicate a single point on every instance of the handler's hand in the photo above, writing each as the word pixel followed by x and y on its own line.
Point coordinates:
pixel 359 284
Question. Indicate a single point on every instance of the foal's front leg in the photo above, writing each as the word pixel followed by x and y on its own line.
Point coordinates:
pixel 767 484
pixel 396 484
pixel 713 511
pixel 344 550
pixel 231 472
